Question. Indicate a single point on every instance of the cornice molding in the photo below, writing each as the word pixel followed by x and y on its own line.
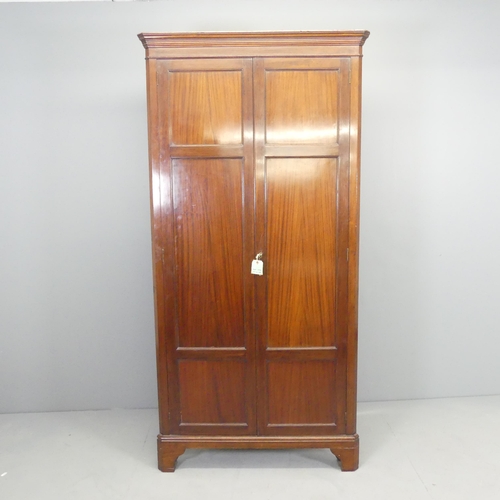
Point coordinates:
pixel 253 39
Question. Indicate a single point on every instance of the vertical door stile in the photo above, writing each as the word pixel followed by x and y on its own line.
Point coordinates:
pixel 354 185
pixel 165 233
pixel 157 243
pixel 260 239
pixel 343 232
pixel 248 183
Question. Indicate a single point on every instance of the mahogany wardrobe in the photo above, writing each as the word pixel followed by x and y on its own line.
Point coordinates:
pixel 254 146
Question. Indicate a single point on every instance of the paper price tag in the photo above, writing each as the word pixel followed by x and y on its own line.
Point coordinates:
pixel 257 267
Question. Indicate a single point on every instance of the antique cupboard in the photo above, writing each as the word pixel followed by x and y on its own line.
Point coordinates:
pixel 254 143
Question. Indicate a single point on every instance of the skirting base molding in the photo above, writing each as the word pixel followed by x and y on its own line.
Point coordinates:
pixel 345 448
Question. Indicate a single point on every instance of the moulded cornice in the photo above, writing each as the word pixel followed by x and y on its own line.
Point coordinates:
pixel 253 39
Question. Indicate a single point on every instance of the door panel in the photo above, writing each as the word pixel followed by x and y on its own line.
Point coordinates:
pixel 301 239
pixel 206 107
pixel 300 393
pixel 212 392
pixel 206 151
pixel 301 157
pixel 208 211
pixel 301 106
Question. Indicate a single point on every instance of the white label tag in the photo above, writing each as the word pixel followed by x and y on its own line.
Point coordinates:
pixel 257 267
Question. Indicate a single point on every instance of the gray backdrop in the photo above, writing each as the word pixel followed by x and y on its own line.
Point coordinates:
pixel 76 304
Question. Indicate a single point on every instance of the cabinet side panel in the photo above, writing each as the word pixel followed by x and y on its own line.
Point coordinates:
pixel 157 227
pixel 354 202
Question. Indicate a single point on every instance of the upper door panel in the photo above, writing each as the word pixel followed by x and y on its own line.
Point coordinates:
pixel 206 107
pixel 208 101
pixel 301 106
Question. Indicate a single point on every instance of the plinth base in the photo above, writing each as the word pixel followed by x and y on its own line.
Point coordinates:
pixel 345 448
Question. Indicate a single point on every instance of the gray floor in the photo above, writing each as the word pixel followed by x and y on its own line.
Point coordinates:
pixel 431 449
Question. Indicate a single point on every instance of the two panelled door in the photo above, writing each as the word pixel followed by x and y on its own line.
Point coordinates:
pixel 254 158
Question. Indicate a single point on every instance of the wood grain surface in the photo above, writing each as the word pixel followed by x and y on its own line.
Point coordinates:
pixel 301 106
pixel 301 249
pixel 206 107
pixel 208 212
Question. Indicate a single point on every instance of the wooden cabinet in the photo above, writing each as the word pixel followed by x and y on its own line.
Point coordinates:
pixel 254 151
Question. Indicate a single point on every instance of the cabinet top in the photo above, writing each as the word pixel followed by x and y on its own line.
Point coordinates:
pixel 260 43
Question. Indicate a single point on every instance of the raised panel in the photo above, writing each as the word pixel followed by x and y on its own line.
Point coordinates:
pixel 301 251
pixel 208 211
pixel 301 106
pixel 206 107
pixel 212 392
pixel 301 393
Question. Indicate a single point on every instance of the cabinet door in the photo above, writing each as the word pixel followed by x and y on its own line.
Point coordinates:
pixel 302 162
pixel 207 182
